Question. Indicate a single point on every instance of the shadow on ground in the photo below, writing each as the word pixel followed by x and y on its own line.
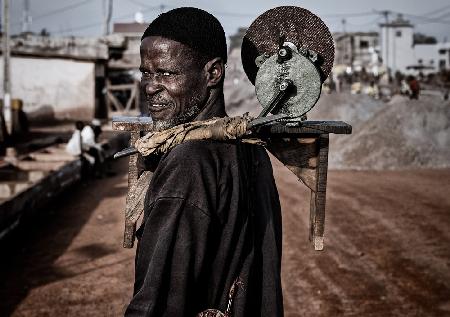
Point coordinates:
pixel 29 254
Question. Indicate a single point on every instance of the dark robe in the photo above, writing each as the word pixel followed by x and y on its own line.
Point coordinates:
pixel 212 214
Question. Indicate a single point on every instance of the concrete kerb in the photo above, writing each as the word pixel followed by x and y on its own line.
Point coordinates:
pixel 42 176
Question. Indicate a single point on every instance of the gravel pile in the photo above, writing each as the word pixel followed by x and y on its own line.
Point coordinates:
pixel 400 134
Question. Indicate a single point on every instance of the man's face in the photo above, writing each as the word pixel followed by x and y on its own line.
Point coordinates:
pixel 174 84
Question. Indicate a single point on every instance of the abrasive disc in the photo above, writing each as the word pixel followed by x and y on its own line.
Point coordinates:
pixel 293 24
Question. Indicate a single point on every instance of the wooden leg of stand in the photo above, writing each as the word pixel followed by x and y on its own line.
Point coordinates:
pixel 318 197
pixel 130 227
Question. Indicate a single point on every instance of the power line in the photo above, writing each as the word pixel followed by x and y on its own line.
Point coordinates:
pixel 147 7
pixel 444 15
pixel 372 22
pixel 413 16
pixel 437 10
pixel 348 15
pixel 79 28
pixel 57 11
pixel 424 18
pixel 235 15
pixel 221 13
pixel 94 24
pixel 440 17
pixel 61 10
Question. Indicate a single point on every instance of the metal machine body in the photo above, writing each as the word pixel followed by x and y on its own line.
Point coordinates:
pixel 292 73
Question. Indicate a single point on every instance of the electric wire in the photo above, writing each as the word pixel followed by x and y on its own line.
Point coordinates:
pixel 57 11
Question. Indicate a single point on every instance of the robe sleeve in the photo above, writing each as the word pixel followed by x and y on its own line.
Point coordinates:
pixel 170 258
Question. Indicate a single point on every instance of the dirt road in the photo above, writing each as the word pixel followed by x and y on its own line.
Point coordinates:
pixel 386 250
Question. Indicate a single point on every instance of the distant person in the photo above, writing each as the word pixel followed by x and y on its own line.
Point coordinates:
pixel 77 147
pixel 372 90
pixel 414 87
pixel 73 147
pixel 404 88
pixel 89 139
pixel 97 127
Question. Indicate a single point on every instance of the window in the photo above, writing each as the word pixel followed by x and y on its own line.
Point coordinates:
pixel 363 44
pixel 442 51
pixel 442 64
pixel 420 61
pixel 398 33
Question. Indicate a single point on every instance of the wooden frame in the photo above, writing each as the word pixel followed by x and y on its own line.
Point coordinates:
pixel 301 147
pixel 114 105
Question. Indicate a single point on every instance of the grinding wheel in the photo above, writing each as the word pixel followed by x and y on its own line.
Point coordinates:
pixel 307 54
pixel 294 24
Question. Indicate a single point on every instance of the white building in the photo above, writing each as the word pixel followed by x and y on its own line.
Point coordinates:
pixel 431 58
pixel 397 50
pixel 357 50
pixel 399 53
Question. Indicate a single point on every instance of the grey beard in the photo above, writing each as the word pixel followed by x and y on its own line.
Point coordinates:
pixel 189 115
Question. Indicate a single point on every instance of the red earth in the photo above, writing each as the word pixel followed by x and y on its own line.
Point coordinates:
pixel 386 249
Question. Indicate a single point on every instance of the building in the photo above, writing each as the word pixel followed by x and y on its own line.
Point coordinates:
pixel 397 45
pixel 57 78
pixel 129 57
pixel 430 58
pixel 400 53
pixel 123 69
pixel 357 49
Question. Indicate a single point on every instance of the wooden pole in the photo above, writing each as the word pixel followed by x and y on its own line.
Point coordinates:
pixel 108 7
pixel 6 68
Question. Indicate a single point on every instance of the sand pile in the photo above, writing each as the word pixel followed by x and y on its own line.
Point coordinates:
pixel 400 134
pixel 240 94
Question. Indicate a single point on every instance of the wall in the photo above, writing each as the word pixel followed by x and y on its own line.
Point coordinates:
pixel 350 51
pixel 397 51
pixel 426 55
pixel 433 55
pixel 51 87
pixel 443 61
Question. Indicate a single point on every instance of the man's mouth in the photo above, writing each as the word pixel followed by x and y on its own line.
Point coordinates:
pixel 158 105
pixel 154 107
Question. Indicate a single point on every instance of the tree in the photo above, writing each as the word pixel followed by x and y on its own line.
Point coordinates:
pixel 420 38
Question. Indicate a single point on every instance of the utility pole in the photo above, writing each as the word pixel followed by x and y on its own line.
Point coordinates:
pixel 6 68
pixel 386 13
pixel 26 19
pixel 344 23
pixel 107 14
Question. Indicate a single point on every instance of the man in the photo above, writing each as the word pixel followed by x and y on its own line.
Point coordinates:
pixel 212 215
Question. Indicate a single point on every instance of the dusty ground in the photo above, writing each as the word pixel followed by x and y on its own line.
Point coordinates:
pixel 386 254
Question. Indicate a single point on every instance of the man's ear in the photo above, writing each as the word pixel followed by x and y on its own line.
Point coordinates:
pixel 215 71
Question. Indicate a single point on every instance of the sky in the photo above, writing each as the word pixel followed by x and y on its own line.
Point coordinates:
pixel 85 17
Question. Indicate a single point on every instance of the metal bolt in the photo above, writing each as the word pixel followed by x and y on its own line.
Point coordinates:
pixel 282 52
pixel 284 85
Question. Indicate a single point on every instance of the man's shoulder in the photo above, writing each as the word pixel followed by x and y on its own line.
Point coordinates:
pixel 202 153
pixel 192 171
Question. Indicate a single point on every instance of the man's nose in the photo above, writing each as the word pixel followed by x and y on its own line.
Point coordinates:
pixel 152 86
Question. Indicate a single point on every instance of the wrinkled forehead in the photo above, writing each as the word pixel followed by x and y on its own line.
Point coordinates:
pixel 157 48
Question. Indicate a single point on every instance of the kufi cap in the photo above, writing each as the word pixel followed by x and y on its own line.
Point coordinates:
pixel 195 28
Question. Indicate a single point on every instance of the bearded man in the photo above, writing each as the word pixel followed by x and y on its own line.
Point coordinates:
pixel 212 215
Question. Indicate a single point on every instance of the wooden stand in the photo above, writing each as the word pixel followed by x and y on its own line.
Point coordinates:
pixel 304 150
pixel 302 147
